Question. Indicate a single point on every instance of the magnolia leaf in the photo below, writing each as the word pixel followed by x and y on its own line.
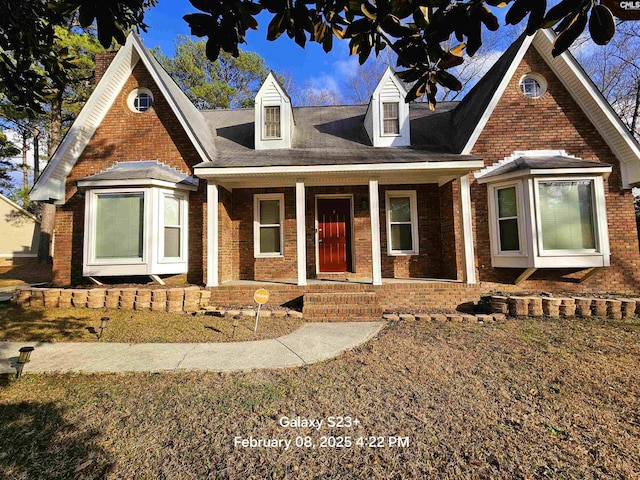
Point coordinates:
pixel 565 38
pixel 458 49
pixel 199 23
pixel 602 25
pixel 447 80
pixel 518 11
pixel 276 26
pixel 369 10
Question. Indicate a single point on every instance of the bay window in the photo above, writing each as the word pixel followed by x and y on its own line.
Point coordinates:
pixel 545 221
pixel 135 231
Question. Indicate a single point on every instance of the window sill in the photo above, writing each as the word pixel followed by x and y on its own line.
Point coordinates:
pixel 275 255
pixel 402 254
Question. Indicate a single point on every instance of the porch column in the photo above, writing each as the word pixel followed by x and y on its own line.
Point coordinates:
pixel 212 234
pixel 466 225
pixel 374 213
pixel 300 232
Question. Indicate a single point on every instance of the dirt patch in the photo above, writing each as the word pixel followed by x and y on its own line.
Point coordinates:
pixel 518 400
pixel 83 325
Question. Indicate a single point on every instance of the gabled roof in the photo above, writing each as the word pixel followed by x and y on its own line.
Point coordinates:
pixel 19 208
pixel 473 113
pixel 146 170
pixel 51 184
pixel 389 74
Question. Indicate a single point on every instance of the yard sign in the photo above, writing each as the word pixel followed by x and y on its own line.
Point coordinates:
pixel 261 296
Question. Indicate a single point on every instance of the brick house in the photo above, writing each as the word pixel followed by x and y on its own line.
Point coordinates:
pixel 524 185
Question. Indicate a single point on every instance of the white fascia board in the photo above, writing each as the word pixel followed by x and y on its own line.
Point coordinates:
pixel 84 126
pixel 600 116
pixel 461 166
pixel 135 183
pixel 144 56
pixel 497 95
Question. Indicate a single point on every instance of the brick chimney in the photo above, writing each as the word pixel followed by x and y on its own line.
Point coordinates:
pixel 103 60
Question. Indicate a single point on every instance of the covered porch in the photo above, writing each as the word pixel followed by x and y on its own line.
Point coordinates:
pixel 392 223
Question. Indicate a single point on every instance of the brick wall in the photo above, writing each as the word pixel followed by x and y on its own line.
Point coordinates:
pixel 127 136
pixel 239 225
pixel 552 122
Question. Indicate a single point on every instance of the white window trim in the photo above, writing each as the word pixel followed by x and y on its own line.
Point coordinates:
pixel 256 224
pixel 383 118
pixel 532 254
pixel 91 216
pixel 134 94
pixel 389 194
pixel 596 212
pixel 184 226
pixel 538 78
pixel 494 220
pixel 151 262
pixel 263 122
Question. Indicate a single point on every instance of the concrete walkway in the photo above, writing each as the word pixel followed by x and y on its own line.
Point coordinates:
pixel 313 342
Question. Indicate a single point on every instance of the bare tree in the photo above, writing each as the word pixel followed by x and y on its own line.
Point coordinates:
pixel 615 69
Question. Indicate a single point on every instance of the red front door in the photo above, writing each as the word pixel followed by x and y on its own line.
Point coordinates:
pixel 334 235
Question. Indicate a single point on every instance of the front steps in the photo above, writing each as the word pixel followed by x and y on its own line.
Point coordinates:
pixel 341 306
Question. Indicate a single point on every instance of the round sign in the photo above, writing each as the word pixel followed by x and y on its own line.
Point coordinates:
pixel 261 296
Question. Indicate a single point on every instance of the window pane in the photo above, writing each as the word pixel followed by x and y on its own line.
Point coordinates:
pixel 401 237
pixel 171 211
pixel 507 202
pixel 400 209
pixel 269 212
pixel 390 118
pixel 119 224
pixel 566 214
pixel 272 122
pixel 509 240
pixel 269 239
pixel 171 242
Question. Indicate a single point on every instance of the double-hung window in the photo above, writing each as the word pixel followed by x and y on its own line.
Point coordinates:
pixel 402 222
pixel 272 122
pixel 173 207
pixel 268 232
pixel 507 200
pixel 390 118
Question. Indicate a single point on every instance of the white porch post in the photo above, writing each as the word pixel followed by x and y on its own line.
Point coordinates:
pixel 466 224
pixel 374 213
pixel 300 232
pixel 212 234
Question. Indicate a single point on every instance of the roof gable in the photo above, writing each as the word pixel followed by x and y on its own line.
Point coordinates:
pixel 51 184
pixel 18 208
pixel 473 113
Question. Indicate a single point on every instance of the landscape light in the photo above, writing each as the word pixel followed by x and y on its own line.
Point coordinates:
pixel 103 324
pixel 24 357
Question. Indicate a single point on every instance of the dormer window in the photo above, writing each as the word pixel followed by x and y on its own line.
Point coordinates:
pixel 272 122
pixel 391 124
pixel 387 119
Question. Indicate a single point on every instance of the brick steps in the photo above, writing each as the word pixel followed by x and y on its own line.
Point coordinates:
pixel 357 306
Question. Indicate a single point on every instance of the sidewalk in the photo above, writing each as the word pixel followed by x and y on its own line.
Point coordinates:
pixel 313 342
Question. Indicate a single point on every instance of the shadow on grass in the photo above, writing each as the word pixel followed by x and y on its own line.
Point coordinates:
pixel 36 442
pixel 20 324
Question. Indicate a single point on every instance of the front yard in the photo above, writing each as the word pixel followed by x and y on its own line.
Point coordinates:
pixel 83 325
pixel 515 400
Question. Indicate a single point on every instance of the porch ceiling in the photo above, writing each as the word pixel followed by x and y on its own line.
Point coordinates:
pixel 351 174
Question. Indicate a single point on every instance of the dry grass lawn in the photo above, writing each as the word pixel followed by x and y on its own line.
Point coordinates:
pixel 518 400
pixel 83 325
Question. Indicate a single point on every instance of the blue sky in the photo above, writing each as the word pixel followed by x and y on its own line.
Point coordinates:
pixel 283 55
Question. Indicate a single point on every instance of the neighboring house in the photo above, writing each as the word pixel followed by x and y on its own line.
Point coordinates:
pixel 19 234
pixel 524 185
